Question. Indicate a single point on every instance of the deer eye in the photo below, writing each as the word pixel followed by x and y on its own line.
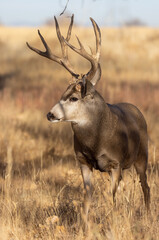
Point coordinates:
pixel 73 99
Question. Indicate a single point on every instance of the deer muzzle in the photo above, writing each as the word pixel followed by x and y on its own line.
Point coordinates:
pixel 51 117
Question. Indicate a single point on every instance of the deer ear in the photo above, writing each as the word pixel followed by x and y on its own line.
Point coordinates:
pixel 83 88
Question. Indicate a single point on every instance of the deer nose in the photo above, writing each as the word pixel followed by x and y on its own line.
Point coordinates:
pixel 50 116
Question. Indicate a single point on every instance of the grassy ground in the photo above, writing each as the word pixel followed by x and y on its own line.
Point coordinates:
pixel 41 189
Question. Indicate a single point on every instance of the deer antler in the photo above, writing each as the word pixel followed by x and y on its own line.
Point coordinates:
pixel 48 54
pixel 94 73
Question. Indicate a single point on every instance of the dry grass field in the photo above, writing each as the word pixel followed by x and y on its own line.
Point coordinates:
pixel 41 189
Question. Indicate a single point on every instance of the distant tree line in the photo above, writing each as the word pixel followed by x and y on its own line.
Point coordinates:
pixel 134 22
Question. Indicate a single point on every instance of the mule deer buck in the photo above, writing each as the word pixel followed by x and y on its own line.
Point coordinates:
pixel 107 137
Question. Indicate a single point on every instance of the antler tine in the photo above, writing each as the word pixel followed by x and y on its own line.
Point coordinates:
pixel 63 48
pixel 61 40
pixel 70 28
pixel 48 54
pixel 98 37
pixel 64 60
pixel 81 51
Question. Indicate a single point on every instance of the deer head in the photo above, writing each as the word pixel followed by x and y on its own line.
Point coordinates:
pixel 80 93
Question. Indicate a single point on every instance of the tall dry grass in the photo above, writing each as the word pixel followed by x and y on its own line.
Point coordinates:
pixel 41 189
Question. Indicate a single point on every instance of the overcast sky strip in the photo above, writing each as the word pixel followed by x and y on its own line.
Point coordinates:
pixel 105 12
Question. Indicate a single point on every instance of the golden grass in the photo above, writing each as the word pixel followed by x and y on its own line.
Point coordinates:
pixel 41 189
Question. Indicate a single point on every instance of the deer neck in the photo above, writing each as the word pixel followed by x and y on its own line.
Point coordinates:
pixel 100 121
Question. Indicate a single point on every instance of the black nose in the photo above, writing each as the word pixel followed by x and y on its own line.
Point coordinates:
pixel 50 116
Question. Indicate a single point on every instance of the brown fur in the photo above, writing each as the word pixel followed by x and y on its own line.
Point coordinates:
pixel 113 139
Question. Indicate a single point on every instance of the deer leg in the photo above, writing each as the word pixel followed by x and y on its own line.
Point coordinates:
pixel 115 177
pixel 87 175
pixel 141 170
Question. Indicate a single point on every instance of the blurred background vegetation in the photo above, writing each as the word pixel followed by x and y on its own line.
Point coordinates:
pixel 41 188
